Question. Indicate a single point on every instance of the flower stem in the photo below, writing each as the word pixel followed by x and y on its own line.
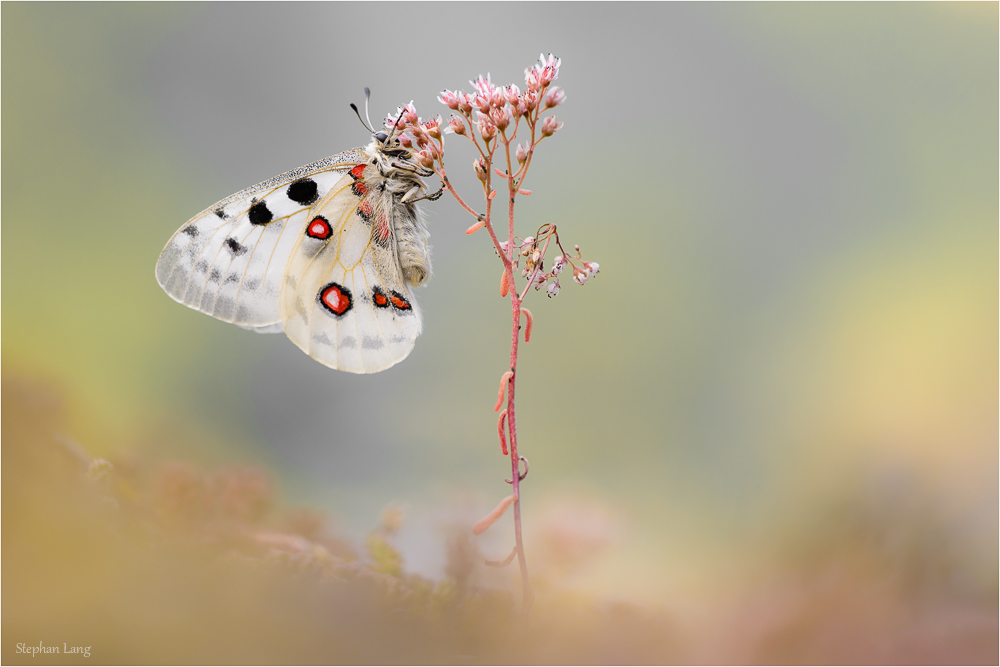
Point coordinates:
pixel 527 595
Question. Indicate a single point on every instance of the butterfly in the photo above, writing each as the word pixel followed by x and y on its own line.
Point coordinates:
pixel 327 253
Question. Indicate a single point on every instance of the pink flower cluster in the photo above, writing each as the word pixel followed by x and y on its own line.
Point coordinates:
pixel 496 108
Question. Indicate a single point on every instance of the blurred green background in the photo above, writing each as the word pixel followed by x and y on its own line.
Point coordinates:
pixel 792 340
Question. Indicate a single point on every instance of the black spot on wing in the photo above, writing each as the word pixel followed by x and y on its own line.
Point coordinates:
pixel 222 214
pixel 190 230
pixel 260 214
pixel 303 192
pixel 234 247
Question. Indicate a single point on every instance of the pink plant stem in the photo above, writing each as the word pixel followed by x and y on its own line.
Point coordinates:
pixel 515 300
pixel 515 462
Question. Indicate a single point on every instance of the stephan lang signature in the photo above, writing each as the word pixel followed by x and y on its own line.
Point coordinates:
pixel 34 650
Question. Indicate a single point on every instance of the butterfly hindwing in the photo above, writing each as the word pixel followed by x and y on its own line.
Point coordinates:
pixel 228 261
pixel 344 301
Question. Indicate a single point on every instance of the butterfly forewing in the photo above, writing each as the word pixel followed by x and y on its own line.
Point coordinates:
pixel 228 261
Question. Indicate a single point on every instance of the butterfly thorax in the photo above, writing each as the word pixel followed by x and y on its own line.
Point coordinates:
pixel 391 181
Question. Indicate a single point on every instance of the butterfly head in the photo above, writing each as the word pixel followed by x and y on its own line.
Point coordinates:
pixel 392 157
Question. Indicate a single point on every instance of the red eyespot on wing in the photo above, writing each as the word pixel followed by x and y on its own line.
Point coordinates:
pixel 379 298
pixel 359 189
pixel 335 298
pixel 319 228
pixel 399 302
pixel 357 171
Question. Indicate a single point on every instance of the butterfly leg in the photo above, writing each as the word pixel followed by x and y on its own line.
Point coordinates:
pixel 434 196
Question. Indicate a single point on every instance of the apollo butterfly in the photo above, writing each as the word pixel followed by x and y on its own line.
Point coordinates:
pixel 327 253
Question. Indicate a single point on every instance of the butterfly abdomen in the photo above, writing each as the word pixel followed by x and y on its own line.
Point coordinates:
pixel 411 244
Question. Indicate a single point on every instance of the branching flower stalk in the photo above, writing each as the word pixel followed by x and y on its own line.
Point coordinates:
pixel 492 118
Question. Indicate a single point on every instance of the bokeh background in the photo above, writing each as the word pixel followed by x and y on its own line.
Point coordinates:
pixel 769 424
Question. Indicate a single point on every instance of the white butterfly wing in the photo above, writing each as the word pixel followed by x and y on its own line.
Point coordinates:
pixel 344 300
pixel 228 261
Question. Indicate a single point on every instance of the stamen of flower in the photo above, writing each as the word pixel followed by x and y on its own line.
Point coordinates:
pixel 504 379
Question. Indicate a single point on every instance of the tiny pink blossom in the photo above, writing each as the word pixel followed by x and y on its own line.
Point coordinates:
pixel 513 94
pixel 542 74
pixel 498 99
pixel 449 99
pixel 482 102
pixel 500 117
pixel 550 126
pixel 479 166
pixel 465 101
pixel 404 141
pixel 553 290
pixel 425 158
pixel 555 97
pixel 455 126
pixel 433 127
pixel 530 100
pixel 408 113
pixel 484 86
pixel 486 127
pixel 579 276
pixel 593 268
pixel 521 154
pixel 557 265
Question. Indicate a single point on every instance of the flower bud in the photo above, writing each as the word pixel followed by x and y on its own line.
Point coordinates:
pixel 404 140
pixel 554 98
pixel 425 159
pixel 522 154
pixel 479 166
pixel 550 126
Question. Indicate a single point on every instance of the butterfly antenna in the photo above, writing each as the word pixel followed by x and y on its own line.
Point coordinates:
pixel 358 114
pixel 368 94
